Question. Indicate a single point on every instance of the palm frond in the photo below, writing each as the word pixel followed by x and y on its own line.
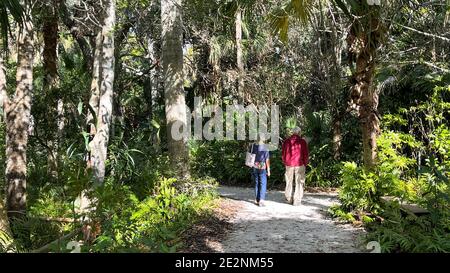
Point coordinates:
pixel 13 8
pixel 280 19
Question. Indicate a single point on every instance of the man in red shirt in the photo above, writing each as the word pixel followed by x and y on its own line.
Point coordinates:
pixel 295 157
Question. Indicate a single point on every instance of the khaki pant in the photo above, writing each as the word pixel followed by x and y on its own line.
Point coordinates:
pixel 294 175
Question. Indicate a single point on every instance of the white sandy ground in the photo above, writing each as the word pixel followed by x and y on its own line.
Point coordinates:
pixel 280 227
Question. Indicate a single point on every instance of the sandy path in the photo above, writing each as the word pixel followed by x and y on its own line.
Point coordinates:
pixel 280 227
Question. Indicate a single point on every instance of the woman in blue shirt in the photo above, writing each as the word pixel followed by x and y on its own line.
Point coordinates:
pixel 260 170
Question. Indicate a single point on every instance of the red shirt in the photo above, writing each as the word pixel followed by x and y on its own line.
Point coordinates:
pixel 295 152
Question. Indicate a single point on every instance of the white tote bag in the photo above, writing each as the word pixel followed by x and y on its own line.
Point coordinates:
pixel 250 158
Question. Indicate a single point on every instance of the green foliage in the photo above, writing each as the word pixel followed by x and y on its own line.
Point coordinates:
pixel 14 8
pixel 298 9
pixel 414 167
pixel 153 224
pixel 142 209
pixel 358 191
pixel 410 233
pixel 338 212
pixel 6 242
pixel 323 170
pixel 222 160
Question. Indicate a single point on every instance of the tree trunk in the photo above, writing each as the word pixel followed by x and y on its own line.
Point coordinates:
pixel 99 143
pixel 335 83
pixel 365 100
pixel 100 115
pixel 148 88
pixel 150 83
pixel 370 125
pixel 3 93
pixel 95 91
pixel 17 117
pixel 154 90
pixel 363 44
pixel 76 34
pixel 239 54
pixel 5 232
pixel 337 138
pixel 121 36
pixel 51 80
pixel 172 63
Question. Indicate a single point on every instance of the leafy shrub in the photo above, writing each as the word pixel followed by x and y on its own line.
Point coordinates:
pixel 358 191
pixel 223 160
pixel 413 155
pixel 362 188
pixel 323 170
pixel 153 224
pixel 409 234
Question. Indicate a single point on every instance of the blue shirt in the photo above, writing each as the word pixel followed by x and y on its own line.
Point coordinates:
pixel 261 151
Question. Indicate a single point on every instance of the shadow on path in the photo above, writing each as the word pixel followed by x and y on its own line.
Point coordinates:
pixel 281 227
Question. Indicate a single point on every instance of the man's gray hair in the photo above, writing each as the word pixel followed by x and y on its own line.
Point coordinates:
pixel 296 130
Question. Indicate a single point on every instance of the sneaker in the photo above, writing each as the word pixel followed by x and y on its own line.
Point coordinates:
pixel 257 202
pixel 296 203
pixel 262 203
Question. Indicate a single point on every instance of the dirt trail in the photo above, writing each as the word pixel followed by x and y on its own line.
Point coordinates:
pixel 280 227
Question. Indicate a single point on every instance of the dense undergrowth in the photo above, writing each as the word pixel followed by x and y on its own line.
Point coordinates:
pixel 140 209
pixel 414 168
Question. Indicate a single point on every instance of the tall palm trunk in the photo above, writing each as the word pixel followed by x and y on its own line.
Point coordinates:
pixel 5 232
pixel 363 41
pixel 239 54
pixel 172 64
pixel 102 95
pixel 370 125
pixel 17 117
pixel 51 79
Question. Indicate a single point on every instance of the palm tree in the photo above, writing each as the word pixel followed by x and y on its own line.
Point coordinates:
pixel 50 33
pixel 298 9
pixel 5 232
pixel 363 40
pixel 238 9
pixel 16 119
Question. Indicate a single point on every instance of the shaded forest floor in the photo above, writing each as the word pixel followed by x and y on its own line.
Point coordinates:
pixel 238 225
